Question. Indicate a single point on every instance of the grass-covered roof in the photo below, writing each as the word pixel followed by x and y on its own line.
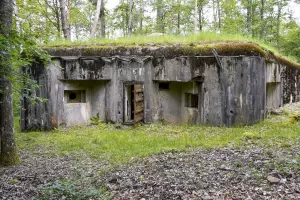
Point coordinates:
pixel 170 47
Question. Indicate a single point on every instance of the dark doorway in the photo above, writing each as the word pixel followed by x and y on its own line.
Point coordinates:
pixel 134 103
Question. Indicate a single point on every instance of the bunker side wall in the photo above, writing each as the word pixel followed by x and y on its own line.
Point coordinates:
pixel 36 113
pixel 291 86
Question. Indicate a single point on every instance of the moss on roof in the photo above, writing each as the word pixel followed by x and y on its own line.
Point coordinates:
pixel 169 47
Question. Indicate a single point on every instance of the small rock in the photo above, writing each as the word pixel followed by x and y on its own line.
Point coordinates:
pixel 273 179
pixel 206 197
pixel 113 180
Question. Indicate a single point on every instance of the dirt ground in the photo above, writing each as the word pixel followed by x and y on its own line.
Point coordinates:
pixel 254 173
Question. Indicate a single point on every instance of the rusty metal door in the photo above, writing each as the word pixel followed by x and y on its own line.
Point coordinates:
pixel 138 95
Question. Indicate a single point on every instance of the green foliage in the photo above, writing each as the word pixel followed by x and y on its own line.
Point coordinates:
pixel 95 120
pixel 14 181
pixel 295 118
pixel 121 14
pixel 22 53
pixel 80 18
pixel 290 43
pixel 39 19
pixel 64 189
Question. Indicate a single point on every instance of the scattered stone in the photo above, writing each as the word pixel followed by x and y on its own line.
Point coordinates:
pixel 207 198
pixel 273 179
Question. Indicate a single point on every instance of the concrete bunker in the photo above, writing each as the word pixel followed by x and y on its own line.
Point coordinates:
pixel 149 85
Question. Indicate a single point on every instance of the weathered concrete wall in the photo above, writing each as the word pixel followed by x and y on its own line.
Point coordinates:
pixel 233 93
pixel 291 86
pixel 37 114
pixel 85 68
pixel 274 85
pixel 170 103
pixel 273 96
pixel 230 92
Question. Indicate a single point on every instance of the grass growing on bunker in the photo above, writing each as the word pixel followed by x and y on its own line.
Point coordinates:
pixel 163 39
pixel 191 39
pixel 191 44
pixel 121 145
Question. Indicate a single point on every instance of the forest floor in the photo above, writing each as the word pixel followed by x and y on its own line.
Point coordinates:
pixel 159 162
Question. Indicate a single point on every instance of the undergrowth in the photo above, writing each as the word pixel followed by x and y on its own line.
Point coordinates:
pixel 64 189
pixel 121 144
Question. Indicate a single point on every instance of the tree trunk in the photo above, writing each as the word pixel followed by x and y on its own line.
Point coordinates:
pixel 253 13
pixel 8 152
pixel 96 19
pixel 178 17
pixel 160 17
pixel 219 14
pixel 141 15
pixel 102 19
pixel 65 14
pixel 200 13
pixel 262 15
pixel 196 16
pixel 130 18
pixel 248 7
pixel 214 14
pixel 280 6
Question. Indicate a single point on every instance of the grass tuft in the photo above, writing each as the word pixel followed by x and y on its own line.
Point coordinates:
pixel 251 135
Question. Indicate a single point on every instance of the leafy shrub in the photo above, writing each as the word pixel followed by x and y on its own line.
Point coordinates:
pixel 64 189
pixel 295 117
pixel 95 120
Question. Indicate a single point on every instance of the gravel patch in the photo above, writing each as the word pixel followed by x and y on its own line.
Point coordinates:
pixel 22 181
pixel 252 173
pixel 256 173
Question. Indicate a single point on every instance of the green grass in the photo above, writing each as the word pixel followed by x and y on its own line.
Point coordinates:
pixel 165 39
pixel 122 145
pixel 203 40
pixel 203 37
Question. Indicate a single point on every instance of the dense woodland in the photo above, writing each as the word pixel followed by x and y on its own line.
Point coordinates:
pixel 268 20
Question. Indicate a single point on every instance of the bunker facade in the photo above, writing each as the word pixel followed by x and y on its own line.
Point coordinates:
pixel 153 84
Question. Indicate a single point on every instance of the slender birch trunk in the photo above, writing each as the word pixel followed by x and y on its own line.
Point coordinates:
pixel 96 19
